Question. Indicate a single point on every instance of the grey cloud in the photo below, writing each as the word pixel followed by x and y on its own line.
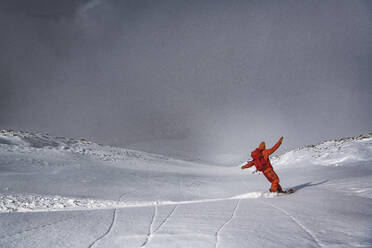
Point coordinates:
pixel 187 77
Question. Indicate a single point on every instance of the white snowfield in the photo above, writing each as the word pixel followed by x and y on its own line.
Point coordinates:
pixel 59 192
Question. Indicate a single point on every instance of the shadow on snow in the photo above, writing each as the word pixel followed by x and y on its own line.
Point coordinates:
pixel 309 184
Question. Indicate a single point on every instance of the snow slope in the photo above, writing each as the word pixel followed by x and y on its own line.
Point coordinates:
pixel 343 152
pixel 59 192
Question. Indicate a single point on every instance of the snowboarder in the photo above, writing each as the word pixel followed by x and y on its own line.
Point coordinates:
pixel 262 162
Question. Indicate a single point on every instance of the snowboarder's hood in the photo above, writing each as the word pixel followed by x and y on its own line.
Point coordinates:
pixel 262 145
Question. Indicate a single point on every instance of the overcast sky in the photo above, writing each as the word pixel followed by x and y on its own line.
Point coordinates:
pixel 204 77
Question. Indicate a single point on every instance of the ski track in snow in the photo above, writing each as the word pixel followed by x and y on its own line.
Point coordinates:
pixel 36 228
pixel 110 227
pixel 150 231
pixel 107 232
pixel 152 234
pixel 310 233
pixel 166 219
pixel 217 234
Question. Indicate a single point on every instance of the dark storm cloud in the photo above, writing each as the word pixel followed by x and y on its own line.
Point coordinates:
pixel 211 77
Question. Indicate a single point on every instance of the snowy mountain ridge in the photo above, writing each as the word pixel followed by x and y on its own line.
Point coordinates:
pixel 329 153
pixel 31 142
pixel 332 152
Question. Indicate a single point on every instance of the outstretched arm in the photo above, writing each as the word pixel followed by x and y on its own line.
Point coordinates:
pixel 273 149
pixel 248 165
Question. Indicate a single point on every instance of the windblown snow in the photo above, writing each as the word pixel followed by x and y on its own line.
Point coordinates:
pixel 60 192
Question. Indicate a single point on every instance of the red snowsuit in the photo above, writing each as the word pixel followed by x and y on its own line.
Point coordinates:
pixel 262 162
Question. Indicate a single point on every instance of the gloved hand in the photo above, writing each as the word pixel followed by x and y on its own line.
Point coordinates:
pixel 244 167
pixel 281 139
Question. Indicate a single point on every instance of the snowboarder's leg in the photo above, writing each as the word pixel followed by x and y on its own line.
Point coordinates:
pixel 273 179
pixel 275 186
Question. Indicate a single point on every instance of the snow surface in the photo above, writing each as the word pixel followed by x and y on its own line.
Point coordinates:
pixel 59 192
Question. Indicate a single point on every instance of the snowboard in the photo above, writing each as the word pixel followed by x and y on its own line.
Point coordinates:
pixel 290 191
